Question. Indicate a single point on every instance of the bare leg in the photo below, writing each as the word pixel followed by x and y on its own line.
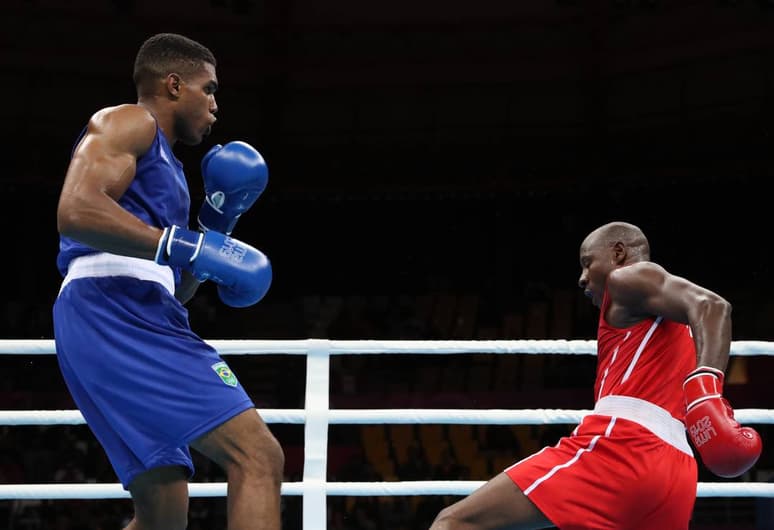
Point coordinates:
pixel 253 460
pixel 160 500
pixel 497 505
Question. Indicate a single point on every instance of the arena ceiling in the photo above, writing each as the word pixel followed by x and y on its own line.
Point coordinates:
pixel 410 95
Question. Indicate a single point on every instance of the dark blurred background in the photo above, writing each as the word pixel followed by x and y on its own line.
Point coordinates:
pixel 433 167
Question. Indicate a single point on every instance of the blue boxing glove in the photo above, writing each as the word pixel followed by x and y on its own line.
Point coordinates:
pixel 243 273
pixel 234 175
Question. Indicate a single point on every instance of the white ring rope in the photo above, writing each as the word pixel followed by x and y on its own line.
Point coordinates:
pixel 354 489
pixel 317 417
pixel 381 416
pixel 368 347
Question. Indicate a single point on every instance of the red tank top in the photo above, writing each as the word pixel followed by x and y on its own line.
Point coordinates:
pixel 648 360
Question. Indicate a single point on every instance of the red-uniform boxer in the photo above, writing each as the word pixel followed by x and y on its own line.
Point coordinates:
pixel 628 465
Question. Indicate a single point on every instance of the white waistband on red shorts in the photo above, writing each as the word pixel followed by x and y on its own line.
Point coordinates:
pixel 657 420
pixel 105 264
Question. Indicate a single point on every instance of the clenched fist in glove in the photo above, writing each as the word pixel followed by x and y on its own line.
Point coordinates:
pixel 243 273
pixel 726 448
pixel 234 175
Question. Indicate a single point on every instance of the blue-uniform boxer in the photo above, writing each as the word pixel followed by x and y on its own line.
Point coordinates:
pixel 145 382
pixel 148 386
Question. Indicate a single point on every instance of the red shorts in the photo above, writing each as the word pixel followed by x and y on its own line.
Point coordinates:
pixel 611 473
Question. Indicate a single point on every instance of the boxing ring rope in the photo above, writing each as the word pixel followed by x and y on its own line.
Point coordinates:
pixel 317 416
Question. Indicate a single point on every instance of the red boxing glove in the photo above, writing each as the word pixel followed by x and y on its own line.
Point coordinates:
pixel 726 448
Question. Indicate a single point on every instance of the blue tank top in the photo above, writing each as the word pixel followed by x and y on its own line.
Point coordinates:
pixel 158 195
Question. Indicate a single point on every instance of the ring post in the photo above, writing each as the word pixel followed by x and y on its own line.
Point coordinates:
pixel 316 434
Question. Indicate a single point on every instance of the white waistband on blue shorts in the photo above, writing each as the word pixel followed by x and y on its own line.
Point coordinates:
pixel 657 420
pixel 104 264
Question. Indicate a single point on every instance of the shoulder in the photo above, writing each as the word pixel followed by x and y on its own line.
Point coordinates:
pixel 130 127
pixel 127 116
pixel 636 278
pixel 637 270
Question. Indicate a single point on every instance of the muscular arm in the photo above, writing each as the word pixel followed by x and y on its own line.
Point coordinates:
pixel 646 289
pixel 101 170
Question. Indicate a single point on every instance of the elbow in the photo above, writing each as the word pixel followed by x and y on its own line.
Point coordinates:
pixel 66 221
pixel 70 219
pixel 64 224
pixel 715 308
pixel 724 307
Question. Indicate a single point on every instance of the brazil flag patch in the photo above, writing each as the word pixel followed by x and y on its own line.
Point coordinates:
pixel 225 373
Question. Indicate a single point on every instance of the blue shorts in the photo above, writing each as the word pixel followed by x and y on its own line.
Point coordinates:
pixel 146 384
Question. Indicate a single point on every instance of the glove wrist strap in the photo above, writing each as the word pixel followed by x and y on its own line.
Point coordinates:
pixel 161 248
pixel 702 384
pixel 178 247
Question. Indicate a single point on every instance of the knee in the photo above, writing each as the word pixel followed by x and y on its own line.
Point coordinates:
pixel 272 452
pixel 445 520
pixel 264 459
